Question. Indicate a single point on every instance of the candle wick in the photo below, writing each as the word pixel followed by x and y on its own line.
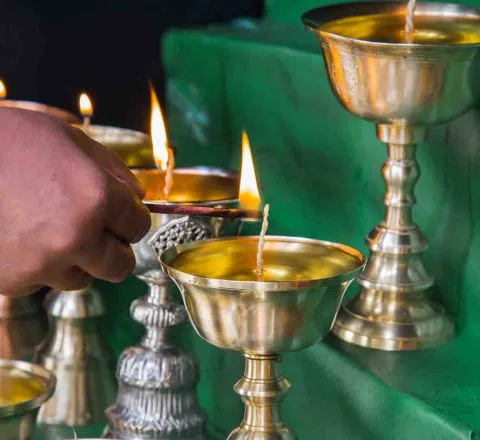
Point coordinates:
pixel 86 124
pixel 261 243
pixel 169 174
pixel 409 23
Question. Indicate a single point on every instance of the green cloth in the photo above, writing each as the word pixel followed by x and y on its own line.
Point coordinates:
pixel 288 11
pixel 319 167
pixel 89 432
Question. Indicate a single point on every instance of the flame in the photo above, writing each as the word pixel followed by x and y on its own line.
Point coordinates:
pixel 158 133
pixel 3 90
pixel 85 105
pixel 249 196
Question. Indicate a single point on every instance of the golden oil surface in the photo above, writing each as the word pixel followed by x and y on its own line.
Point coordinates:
pixel 18 387
pixel 235 259
pixel 390 28
pixel 188 187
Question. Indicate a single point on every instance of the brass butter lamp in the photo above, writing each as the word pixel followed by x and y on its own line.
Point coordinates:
pixel 54 112
pixel 293 308
pixel 133 147
pixel 404 89
pixel 24 387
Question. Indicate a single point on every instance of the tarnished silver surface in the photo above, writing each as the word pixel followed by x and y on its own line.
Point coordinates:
pixel 403 88
pixel 17 421
pixel 79 359
pixel 23 326
pixel 157 380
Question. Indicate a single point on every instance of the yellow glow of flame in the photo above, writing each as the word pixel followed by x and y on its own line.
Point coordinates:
pixel 158 133
pixel 249 196
pixel 85 105
pixel 3 90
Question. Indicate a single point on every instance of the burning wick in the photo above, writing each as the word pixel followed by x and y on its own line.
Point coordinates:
pixel 261 243
pixel 3 90
pixel 86 110
pixel 169 174
pixel 409 24
pixel 162 153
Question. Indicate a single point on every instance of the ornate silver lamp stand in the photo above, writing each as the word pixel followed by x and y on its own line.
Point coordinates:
pixel 157 380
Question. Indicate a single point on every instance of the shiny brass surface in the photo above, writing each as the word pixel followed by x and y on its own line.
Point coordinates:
pixel 157 380
pixel 292 309
pixel 134 147
pixel 198 185
pixel 42 108
pixel 24 387
pixel 393 82
pixel 75 353
pixel 390 28
pixel 404 88
pixel 204 186
pixel 23 326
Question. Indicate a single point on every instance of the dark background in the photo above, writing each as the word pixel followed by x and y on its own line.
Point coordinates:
pixel 52 50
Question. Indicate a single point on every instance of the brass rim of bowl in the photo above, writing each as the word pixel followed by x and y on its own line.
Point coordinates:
pixel 317 17
pixel 139 136
pixel 277 286
pixel 56 112
pixel 202 170
pixel 34 370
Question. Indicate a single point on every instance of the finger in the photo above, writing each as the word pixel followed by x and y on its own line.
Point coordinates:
pixel 72 278
pixel 111 259
pixel 127 216
pixel 108 160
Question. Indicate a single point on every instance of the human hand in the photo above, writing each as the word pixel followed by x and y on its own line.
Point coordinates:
pixel 69 207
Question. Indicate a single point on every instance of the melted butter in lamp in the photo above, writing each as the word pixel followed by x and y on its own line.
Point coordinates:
pixel 235 259
pixel 188 186
pixel 390 28
pixel 17 387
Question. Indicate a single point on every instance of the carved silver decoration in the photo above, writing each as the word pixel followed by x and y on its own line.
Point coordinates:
pixel 178 231
pixel 156 379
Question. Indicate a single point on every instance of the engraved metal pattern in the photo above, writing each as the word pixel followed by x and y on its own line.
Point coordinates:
pixel 178 231
pixel 157 380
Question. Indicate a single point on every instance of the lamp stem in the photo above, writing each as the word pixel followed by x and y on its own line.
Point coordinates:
pixel 262 387
pixel 394 309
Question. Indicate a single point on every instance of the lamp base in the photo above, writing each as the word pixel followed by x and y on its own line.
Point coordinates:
pixel 394 321
pixel 261 388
